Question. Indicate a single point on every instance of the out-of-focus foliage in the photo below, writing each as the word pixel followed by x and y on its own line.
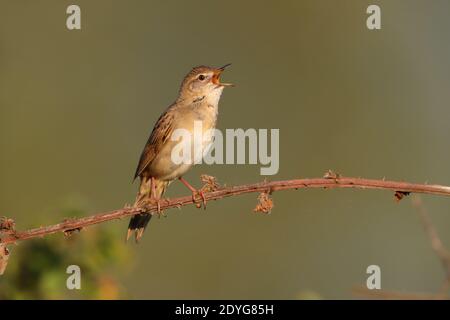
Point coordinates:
pixel 37 268
pixel 308 295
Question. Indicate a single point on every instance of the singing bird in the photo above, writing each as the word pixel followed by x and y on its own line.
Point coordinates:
pixel 198 100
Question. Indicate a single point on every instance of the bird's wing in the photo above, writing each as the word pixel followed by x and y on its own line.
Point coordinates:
pixel 161 132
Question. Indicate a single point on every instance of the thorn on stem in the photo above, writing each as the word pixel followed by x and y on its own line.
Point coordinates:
pixel 69 232
pixel 330 174
pixel 399 195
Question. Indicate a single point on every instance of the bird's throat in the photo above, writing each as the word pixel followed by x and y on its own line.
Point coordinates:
pixel 213 96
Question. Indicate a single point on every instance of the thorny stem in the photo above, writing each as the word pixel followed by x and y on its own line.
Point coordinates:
pixel 330 180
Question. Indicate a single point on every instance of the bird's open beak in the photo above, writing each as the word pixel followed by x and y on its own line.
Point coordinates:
pixel 216 77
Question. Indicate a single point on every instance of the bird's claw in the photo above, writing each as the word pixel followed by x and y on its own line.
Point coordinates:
pixel 202 196
pixel 157 203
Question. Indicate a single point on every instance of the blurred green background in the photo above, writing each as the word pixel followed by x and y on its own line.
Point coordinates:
pixel 76 108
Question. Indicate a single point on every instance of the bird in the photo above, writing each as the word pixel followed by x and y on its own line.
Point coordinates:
pixel 198 100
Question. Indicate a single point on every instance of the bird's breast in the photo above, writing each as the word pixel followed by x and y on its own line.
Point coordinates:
pixel 200 123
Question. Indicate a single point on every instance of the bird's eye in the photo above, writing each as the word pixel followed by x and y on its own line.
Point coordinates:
pixel 201 77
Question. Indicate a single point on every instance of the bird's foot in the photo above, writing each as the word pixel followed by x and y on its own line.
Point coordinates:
pixel 195 192
pixel 157 203
pixel 202 196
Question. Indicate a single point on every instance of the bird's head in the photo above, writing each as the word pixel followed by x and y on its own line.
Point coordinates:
pixel 203 81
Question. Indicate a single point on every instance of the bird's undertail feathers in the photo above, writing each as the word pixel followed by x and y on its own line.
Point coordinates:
pixel 139 222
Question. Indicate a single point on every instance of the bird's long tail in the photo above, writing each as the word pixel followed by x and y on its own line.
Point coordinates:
pixel 139 222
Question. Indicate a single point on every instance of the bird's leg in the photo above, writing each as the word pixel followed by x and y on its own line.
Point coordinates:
pixel 194 191
pixel 154 198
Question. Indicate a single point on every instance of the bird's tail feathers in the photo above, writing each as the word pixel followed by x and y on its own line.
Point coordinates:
pixel 139 222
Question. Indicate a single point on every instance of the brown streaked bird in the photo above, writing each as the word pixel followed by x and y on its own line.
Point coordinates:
pixel 198 100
